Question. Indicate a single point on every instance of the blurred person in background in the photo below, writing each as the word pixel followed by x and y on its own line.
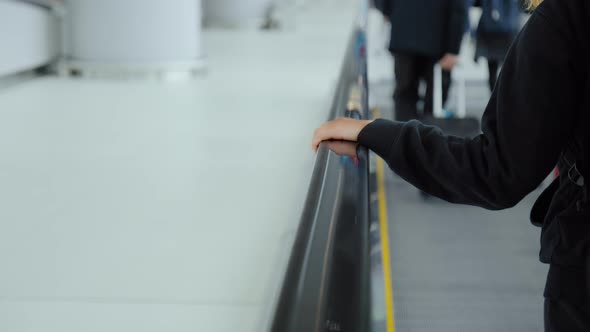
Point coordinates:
pixel 538 116
pixel 498 25
pixel 423 32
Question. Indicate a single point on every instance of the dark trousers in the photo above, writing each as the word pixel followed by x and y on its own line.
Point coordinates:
pixel 409 71
pixel 493 67
pixel 567 298
pixel 564 316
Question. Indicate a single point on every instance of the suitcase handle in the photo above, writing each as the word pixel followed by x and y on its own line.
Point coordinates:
pixel 437 102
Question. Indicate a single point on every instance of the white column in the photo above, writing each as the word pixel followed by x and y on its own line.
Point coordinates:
pixel 28 37
pixel 133 37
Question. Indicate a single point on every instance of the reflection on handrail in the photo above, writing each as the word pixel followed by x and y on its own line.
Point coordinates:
pixel 326 286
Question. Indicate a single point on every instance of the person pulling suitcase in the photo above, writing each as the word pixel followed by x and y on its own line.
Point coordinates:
pixel 423 33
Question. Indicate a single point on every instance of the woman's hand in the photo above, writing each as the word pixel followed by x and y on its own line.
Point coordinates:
pixel 344 129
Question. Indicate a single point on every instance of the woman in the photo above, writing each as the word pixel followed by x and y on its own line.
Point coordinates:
pixel 498 25
pixel 538 115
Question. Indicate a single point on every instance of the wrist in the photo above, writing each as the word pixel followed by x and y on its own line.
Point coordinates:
pixel 361 125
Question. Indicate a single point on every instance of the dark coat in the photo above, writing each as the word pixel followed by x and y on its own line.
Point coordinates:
pixel 538 115
pixel 493 45
pixel 425 27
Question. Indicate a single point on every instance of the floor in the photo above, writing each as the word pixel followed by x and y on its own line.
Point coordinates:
pixel 459 268
pixel 152 206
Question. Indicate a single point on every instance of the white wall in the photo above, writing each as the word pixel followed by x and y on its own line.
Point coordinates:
pixel 28 36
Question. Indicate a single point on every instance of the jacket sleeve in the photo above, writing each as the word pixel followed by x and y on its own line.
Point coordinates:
pixel 526 123
pixel 456 26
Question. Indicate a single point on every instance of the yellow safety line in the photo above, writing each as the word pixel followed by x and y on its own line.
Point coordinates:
pixel 385 247
pixel 384 233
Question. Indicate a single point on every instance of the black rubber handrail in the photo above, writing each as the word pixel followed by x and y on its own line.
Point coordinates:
pixel 327 283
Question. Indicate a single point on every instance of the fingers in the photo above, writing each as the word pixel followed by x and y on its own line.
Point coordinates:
pixel 324 132
pixel 330 130
pixel 444 63
pixel 343 148
pixel 318 137
pixel 340 129
pixel 448 61
pixel 446 66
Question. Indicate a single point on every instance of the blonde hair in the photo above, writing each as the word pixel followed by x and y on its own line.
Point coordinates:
pixel 532 4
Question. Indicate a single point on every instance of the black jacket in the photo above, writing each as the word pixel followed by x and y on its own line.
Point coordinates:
pixel 425 27
pixel 539 110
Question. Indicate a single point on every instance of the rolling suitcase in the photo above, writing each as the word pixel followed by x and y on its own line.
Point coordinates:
pixel 457 124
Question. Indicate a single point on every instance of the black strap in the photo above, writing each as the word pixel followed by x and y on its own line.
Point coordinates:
pixel 572 168
pixel 571 159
